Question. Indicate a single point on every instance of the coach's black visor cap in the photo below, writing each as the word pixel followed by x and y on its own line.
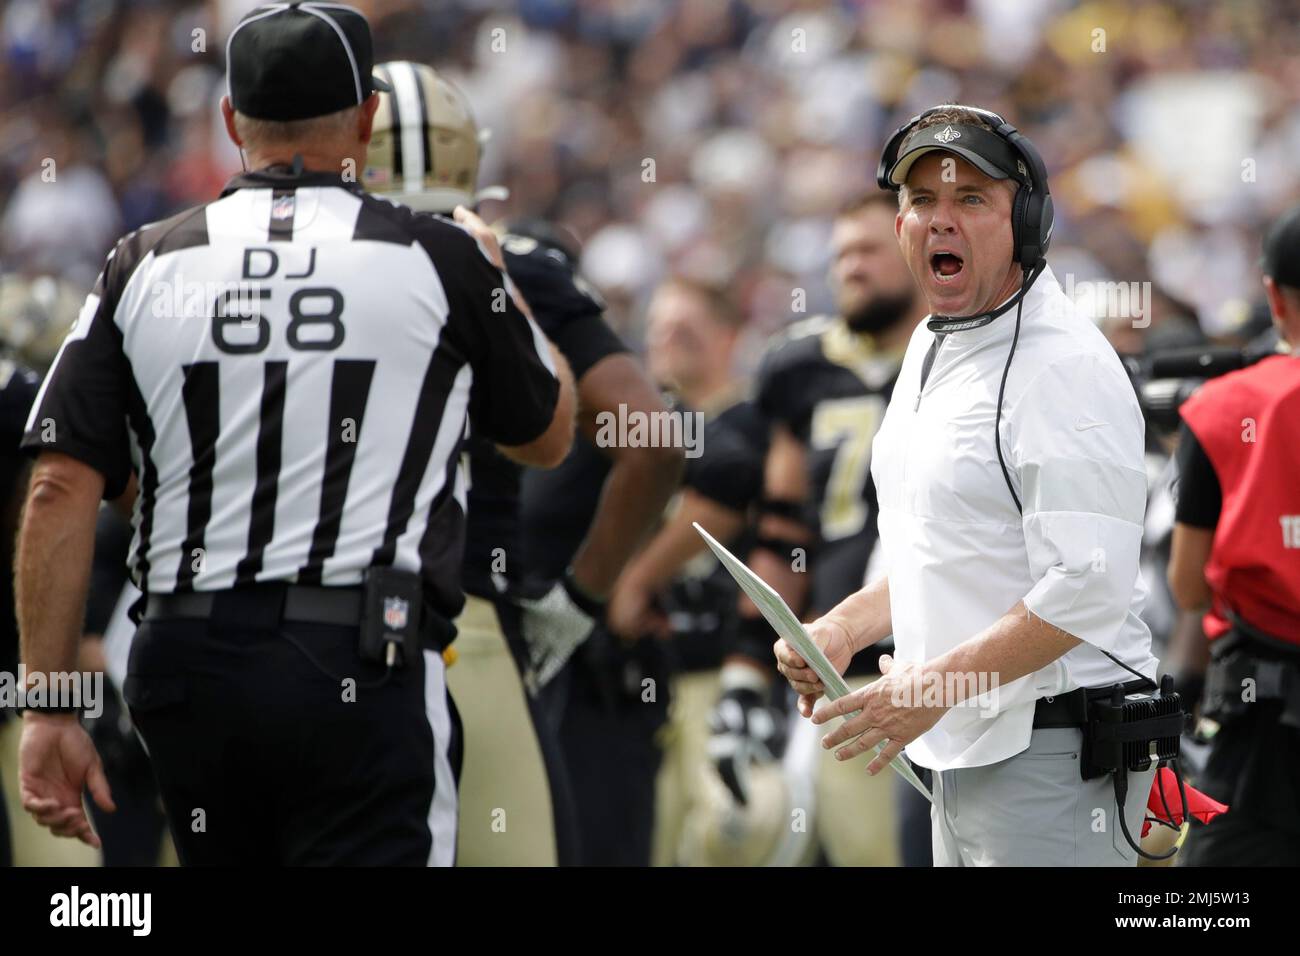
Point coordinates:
pixel 1281 260
pixel 985 150
pixel 292 61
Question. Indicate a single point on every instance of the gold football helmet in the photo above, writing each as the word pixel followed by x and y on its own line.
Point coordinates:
pixel 425 148
pixel 777 826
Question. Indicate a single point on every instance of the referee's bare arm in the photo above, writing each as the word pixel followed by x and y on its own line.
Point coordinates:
pixel 55 548
pixel 78 433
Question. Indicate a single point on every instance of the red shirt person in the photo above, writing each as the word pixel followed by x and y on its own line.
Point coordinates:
pixel 1236 555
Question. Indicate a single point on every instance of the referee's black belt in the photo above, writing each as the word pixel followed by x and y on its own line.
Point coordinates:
pixel 262 605
pixel 1071 709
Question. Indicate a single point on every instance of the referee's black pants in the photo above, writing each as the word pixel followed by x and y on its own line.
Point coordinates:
pixel 275 744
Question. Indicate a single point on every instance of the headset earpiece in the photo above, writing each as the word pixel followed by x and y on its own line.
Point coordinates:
pixel 889 154
pixel 1031 220
pixel 1046 215
pixel 1019 207
pixel 1031 226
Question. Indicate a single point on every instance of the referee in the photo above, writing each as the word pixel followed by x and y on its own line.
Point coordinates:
pixel 287 371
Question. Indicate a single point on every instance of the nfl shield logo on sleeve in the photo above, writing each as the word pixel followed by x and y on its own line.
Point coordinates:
pixel 395 609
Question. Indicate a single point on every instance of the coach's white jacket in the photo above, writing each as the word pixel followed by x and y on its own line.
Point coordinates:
pixel 959 556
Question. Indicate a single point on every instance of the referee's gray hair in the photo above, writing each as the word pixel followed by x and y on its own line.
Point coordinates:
pixel 260 132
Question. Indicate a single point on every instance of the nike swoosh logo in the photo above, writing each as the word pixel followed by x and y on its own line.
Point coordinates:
pixel 1082 425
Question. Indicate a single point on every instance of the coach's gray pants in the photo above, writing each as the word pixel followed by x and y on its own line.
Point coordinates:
pixel 1033 809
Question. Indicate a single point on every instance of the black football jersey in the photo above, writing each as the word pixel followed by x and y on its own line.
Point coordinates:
pixel 701 601
pixel 556 508
pixel 830 386
pixel 729 469
pixel 570 312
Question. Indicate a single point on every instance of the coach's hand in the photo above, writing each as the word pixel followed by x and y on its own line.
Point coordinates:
pixel 893 709
pixel 554 627
pixel 56 762
pixel 834 640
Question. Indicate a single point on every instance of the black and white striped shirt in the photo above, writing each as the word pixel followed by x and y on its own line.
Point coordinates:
pixel 288 372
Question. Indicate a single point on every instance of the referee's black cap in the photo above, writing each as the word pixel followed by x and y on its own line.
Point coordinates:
pixel 1281 260
pixel 292 61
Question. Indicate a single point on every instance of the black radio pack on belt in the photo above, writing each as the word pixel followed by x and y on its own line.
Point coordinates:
pixel 1126 727
pixel 390 620
pixel 1130 731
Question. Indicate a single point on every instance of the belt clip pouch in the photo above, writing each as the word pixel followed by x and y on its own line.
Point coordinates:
pixel 1225 683
pixel 393 603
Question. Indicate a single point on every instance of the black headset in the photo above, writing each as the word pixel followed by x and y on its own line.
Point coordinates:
pixel 1031 211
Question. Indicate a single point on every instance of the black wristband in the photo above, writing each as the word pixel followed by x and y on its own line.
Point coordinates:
pixel 593 607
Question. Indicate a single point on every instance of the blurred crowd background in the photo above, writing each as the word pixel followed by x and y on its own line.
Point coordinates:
pixel 711 138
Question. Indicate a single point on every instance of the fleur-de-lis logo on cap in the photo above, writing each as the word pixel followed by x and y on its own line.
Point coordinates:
pixel 947 135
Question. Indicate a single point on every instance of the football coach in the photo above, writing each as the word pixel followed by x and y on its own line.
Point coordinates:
pixel 286 372
pixel 1009 467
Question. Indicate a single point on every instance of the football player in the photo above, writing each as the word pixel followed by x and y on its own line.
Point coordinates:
pixel 674 588
pixel 516 634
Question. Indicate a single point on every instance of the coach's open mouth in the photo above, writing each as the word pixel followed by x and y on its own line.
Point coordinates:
pixel 945 266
